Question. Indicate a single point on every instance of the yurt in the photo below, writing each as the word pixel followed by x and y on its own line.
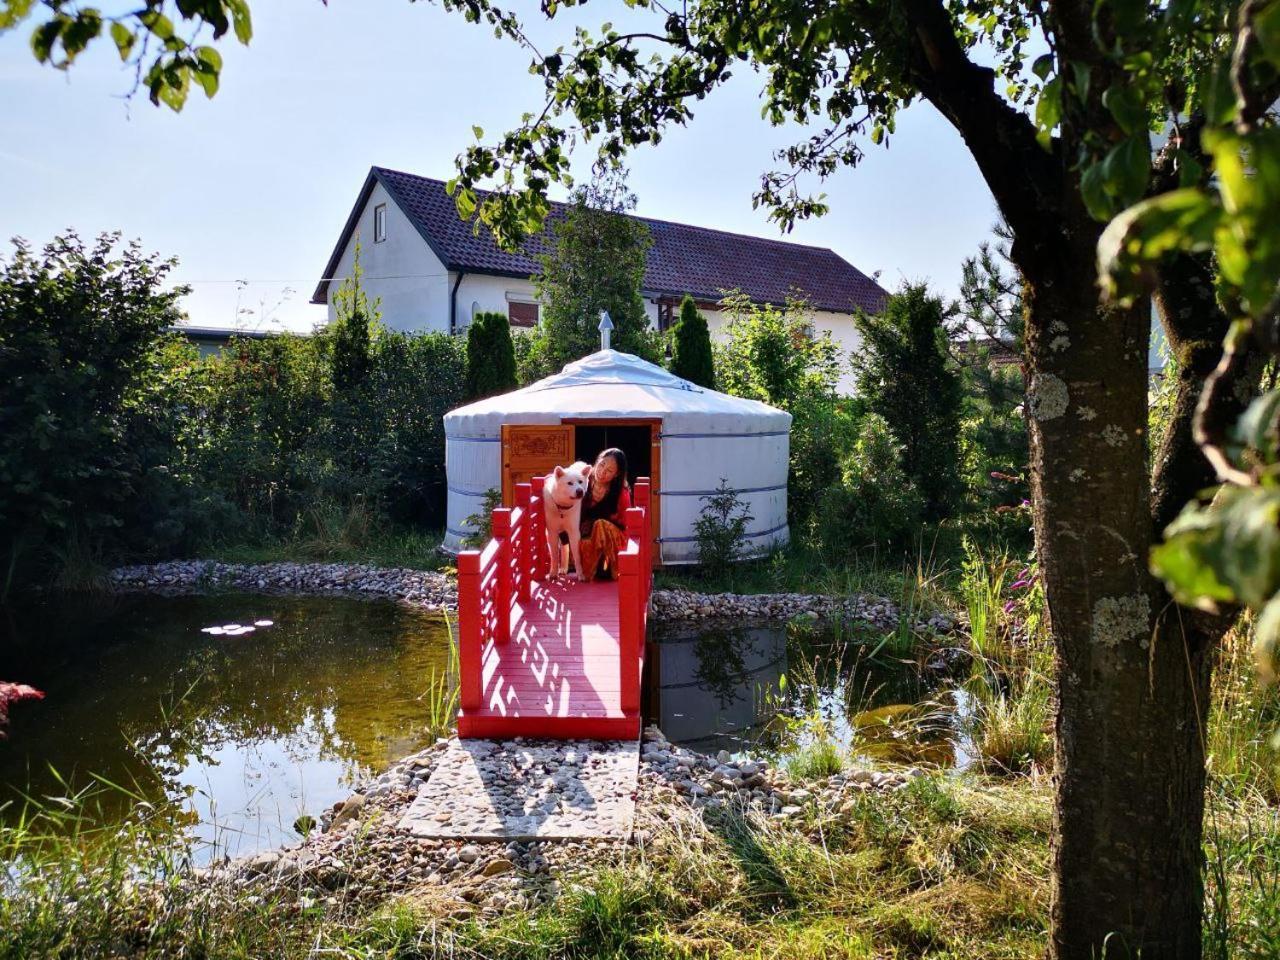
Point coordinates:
pixel 685 438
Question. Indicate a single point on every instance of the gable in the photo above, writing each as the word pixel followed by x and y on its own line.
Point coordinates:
pixel 682 259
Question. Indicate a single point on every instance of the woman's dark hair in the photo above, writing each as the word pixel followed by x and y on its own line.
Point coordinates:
pixel 609 505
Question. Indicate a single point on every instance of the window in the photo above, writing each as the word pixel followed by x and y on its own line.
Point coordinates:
pixel 522 314
pixel 379 223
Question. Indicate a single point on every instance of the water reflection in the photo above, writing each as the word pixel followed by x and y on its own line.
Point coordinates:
pixel 726 687
pixel 234 734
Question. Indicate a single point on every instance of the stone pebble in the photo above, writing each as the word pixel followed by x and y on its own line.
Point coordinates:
pixel 357 854
pixel 438 591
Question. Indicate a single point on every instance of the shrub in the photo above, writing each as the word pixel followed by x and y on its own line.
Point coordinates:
pixel 770 354
pixel 874 503
pixel 483 521
pixel 596 263
pixel 905 374
pixel 721 528
pixel 81 327
pixel 691 356
pixel 491 356
pixel 350 334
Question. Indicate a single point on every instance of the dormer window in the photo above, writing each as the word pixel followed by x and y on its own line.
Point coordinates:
pixel 379 223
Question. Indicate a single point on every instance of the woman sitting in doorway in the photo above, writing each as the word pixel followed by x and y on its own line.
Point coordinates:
pixel 604 511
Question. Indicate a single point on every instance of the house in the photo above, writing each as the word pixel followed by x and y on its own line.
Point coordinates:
pixel 211 340
pixel 432 271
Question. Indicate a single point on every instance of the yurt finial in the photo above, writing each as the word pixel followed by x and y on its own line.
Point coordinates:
pixel 605 328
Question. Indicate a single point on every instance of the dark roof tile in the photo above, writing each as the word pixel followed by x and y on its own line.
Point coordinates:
pixel 683 259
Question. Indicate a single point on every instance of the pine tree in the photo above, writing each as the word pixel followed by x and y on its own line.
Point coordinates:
pixel 597 262
pixel 352 359
pixel 691 347
pixel 491 356
pixel 906 375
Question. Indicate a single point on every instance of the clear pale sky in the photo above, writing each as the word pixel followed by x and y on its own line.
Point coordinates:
pixel 255 184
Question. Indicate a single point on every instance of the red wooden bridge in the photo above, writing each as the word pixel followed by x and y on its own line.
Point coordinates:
pixel 558 658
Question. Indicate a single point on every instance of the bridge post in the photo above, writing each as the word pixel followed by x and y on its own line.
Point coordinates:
pixel 469 680
pixel 501 526
pixel 631 609
pixel 538 531
pixel 629 638
pixel 643 498
pixel 529 530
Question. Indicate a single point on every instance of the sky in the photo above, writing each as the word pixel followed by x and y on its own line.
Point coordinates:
pixel 249 190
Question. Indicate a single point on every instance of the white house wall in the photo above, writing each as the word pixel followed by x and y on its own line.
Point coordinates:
pixel 401 271
pixel 480 293
pixel 839 325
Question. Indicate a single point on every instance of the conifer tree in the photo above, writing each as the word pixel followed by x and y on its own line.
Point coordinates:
pixel 351 358
pixel 691 347
pixel 491 356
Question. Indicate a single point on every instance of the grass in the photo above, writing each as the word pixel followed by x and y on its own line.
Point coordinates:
pixel 1244 716
pixel 403 548
pixel 954 866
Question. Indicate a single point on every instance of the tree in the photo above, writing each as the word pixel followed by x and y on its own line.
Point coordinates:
pixel 991 304
pixel 905 374
pixel 596 263
pixel 991 293
pixel 350 335
pixel 691 356
pixel 80 326
pixel 147 38
pixel 491 356
pixel 1063 141
pixel 769 354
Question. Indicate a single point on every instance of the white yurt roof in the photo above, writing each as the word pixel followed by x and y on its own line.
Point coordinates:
pixel 706 437
pixel 609 384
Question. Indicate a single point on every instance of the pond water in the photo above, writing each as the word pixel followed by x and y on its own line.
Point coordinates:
pixel 234 733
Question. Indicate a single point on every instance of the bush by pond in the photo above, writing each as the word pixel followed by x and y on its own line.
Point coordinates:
pixel 122 442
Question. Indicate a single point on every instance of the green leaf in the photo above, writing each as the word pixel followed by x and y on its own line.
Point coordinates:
pixel 1217 97
pixel 240 20
pixel 1126 105
pixel 45 36
pixel 13 12
pixel 1266 26
pixel 1256 428
pixel 1185 219
pixel 1043 66
pixel 1049 110
pixel 478 131
pixel 1093 191
pixel 1229 550
pixel 124 39
pixel 1127 169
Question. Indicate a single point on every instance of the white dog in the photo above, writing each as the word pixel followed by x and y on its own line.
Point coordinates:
pixel 562 494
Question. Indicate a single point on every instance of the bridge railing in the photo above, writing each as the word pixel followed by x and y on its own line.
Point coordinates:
pixel 635 580
pixel 493 580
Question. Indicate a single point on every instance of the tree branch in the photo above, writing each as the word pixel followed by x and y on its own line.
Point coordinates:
pixel 1024 177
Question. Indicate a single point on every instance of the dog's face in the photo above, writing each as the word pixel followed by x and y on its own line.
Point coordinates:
pixel 570 483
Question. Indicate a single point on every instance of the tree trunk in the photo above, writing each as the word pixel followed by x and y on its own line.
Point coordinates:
pixel 1132 693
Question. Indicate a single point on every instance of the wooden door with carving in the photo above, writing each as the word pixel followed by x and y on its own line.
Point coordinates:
pixel 532 451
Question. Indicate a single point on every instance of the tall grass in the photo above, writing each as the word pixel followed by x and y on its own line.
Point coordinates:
pixel 1009 687
pixel 1244 717
pixel 442 694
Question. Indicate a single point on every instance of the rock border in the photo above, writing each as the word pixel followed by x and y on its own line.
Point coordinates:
pixel 430 590
pixel 360 855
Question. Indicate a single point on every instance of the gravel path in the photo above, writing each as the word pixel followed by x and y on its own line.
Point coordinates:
pixel 361 853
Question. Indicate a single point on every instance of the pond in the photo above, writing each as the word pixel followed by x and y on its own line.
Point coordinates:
pixel 233 734
pixel 235 715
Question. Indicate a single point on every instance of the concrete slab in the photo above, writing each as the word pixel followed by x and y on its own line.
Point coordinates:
pixel 529 789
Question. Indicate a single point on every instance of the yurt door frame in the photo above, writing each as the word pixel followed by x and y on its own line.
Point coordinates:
pixel 529 450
